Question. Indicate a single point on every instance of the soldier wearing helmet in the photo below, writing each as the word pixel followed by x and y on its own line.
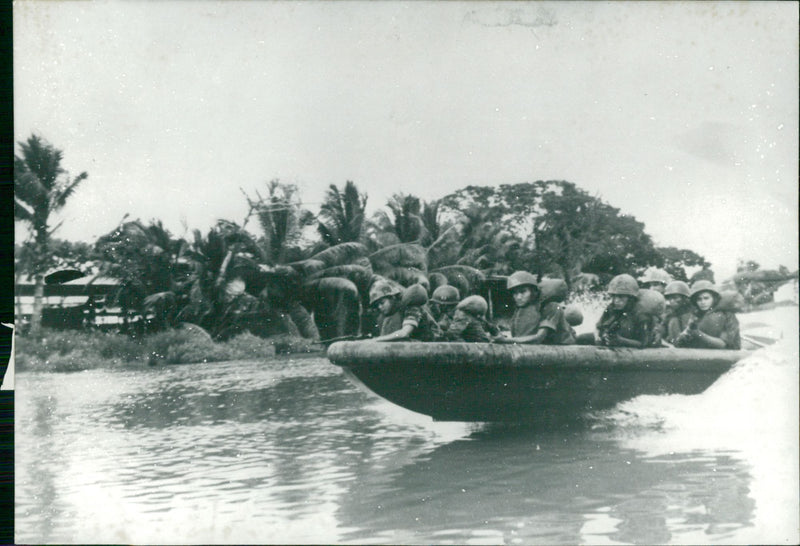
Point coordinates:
pixel 679 311
pixel 403 313
pixel 469 322
pixel 621 325
pixel 655 279
pixel 539 317
pixel 711 327
pixel 443 305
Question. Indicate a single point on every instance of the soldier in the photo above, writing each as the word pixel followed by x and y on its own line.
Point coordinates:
pixel 679 311
pixel 655 279
pixel 620 325
pixel 539 317
pixel 525 291
pixel 443 305
pixel 403 316
pixel 711 327
pixel 469 321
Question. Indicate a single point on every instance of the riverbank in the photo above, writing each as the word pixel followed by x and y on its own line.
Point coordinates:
pixel 70 350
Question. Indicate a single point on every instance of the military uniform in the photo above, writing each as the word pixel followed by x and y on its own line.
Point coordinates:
pixel 468 329
pixel 525 321
pixel 720 324
pixel 415 316
pixel 445 319
pixel 553 319
pixel 676 322
pixel 625 323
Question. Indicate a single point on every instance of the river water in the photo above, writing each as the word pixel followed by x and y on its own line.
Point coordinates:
pixel 288 451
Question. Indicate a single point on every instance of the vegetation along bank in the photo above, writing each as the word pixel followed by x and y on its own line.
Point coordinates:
pixel 285 276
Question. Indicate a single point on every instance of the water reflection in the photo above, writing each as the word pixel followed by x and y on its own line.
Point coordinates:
pixel 292 452
pixel 43 507
pixel 533 487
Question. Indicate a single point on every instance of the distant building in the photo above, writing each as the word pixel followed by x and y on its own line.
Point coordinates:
pixel 77 302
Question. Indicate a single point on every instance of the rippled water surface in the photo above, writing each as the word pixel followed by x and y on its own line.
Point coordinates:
pixel 289 451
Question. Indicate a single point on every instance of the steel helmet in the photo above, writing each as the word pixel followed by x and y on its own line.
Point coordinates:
pixel 623 285
pixel 521 278
pixel 414 296
pixel 654 274
pixel 553 289
pixel 445 295
pixel 677 287
pixel 474 305
pixel 573 314
pixel 705 286
pixel 382 289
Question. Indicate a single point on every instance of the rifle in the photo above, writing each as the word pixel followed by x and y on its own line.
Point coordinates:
pixel 610 329
pixel 331 340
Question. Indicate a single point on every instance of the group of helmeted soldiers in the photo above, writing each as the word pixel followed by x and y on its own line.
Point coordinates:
pixel 660 313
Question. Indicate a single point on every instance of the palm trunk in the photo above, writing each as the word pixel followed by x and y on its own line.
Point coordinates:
pixel 38 300
pixel 303 320
pixel 17 302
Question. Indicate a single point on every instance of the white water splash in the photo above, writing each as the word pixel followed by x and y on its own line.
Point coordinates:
pixel 752 412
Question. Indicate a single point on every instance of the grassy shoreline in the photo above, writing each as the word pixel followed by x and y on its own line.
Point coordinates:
pixel 67 351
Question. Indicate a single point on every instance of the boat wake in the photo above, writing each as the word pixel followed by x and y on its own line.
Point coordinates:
pixel 750 414
pixel 759 390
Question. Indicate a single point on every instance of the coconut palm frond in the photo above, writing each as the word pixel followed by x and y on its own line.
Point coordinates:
pixel 302 320
pixel 307 267
pixel 341 215
pixel 359 275
pixel 336 306
pixel 328 286
pixel 437 279
pixel 159 299
pixel 407 276
pixel 467 279
pixel 341 254
pixel 59 198
pixel 401 255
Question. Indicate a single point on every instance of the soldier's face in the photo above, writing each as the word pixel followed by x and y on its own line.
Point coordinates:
pixel 384 305
pixel 704 301
pixel 619 302
pixel 674 301
pixel 522 295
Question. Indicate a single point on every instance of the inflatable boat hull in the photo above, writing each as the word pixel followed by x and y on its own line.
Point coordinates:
pixel 523 383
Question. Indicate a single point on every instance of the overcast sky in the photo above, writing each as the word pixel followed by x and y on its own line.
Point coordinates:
pixel 684 115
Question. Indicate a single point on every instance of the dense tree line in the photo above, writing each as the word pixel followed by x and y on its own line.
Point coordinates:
pixel 308 273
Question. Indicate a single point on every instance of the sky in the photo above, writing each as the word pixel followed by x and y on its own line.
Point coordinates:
pixel 684 115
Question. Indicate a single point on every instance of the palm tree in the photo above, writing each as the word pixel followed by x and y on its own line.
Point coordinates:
pixel 41 187
pixel 442 237
pixel 147 261
pixel 485 245
pixel 401 224
pixel 341 215
pixel 281 219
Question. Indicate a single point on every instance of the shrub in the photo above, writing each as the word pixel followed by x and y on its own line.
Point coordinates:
pixel 58 350
pixel 248 346
pixel 192 352
pixel 75 350
pixel 180 346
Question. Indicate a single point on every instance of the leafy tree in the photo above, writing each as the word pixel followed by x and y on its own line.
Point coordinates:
pixel 484 244
pixel 41 187
pixel 747 265
pixel 560 229
pixel 676 260
pixel 341 215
